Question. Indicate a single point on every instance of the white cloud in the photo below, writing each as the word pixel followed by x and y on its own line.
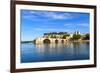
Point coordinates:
pixel 48 15
pixel 84 24
pixel 51 29
pixel 77 24
pixel 28 16
pixel 55 15
pixel 45 29
pixel 32 12
pixel 68 24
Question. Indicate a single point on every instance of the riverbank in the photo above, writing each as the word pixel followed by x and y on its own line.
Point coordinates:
pixel 60 42
pixel 26 41
pixel 79 41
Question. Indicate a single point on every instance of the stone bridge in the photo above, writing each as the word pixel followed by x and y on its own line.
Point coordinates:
pixel 50 40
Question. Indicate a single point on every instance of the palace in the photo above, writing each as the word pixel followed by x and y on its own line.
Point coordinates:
pixel 56 37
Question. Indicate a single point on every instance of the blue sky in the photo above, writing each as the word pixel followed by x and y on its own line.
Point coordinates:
pixel 35 23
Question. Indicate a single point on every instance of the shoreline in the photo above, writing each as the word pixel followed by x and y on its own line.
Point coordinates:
pixel 22 42
pixel 79 41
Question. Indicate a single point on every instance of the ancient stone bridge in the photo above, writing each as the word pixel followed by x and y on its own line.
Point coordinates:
pixel 49 40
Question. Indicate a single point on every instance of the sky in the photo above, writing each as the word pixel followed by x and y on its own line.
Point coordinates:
pixel 35 23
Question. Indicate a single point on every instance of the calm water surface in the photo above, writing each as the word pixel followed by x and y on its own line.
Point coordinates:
pixel 54 52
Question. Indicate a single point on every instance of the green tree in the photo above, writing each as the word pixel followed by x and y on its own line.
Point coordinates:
pixel 87 37
pixel 76 36
pixel 65 35
pixel 53 36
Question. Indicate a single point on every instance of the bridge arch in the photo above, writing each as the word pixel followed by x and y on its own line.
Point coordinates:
pixel 62 41
pixel 56 41
pixel 46 41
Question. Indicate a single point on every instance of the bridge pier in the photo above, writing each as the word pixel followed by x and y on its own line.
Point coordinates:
pixel 50 40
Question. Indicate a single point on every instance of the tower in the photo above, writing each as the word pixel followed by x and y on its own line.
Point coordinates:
pixel 77 32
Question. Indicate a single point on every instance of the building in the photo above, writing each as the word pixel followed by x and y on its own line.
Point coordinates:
pixel 56 37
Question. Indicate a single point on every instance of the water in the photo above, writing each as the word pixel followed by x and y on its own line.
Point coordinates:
pixel 54 52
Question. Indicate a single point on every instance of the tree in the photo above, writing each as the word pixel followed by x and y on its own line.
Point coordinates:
pixel 87 37
pixel 53 36
pixel 65 35
pixel 76 36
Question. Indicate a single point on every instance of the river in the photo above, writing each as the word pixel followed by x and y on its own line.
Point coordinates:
pixel 54 52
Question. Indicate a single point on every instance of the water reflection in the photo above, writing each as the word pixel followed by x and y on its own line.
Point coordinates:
pixel 55 52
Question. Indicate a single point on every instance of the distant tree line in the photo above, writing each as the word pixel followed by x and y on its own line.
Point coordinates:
pixel 55 33
pixel 64 35
pixel 79 36
pixel 61 35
